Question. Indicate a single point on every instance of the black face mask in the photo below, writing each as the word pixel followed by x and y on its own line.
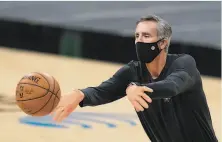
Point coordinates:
pixel 147 52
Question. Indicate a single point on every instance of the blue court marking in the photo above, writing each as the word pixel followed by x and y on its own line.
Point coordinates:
pixel 110 125
pixel 83 125
pixel 122 115
pixel 109 116
pixel 76 117
pixel 43 124
pixel 47 121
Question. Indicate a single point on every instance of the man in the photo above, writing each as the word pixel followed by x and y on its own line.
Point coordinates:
pixel 165 89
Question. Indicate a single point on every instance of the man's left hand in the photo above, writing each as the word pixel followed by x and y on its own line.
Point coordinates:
pixel 138 97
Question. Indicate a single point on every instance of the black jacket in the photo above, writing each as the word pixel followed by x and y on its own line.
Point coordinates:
pixel 179 110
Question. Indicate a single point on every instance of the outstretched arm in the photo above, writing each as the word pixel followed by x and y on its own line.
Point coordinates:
pixel 109 90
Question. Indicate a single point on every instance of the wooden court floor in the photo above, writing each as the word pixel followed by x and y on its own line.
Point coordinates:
pixel 96 124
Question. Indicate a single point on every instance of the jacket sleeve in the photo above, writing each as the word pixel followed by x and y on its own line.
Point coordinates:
pixel 109 90
pixel 182 78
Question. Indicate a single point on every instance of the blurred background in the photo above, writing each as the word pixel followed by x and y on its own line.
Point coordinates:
pixel 102 32
pixel 105 30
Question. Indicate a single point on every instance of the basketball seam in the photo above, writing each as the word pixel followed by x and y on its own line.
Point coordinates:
pixel 36 97
pixel 54 81
pixel 57 94
pixel 44 78
pixel 54 100
pixel 52 93
pixel 43 105
pixel 53 104
pixel 39 87
pixel 34 85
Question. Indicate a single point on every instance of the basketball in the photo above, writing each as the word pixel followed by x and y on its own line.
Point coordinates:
pixel 37 94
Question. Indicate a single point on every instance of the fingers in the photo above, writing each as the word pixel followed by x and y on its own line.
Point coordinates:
pixel 68 110
pixel 137 106
pixel 147 89
pixel 138 98
pixel 63 112
pixel 55 109
pixel 58 113
pixel 62 116
pixel 146 97
pixel 142 102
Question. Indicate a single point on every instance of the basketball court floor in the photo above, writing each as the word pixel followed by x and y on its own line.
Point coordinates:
pixel 115 122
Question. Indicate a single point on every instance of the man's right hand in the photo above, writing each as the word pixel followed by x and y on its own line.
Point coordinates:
pixel 67 105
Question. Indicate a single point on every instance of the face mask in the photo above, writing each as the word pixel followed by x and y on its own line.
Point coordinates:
pixel 147 52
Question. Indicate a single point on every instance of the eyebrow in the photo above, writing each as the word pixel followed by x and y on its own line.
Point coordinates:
pixel 144 33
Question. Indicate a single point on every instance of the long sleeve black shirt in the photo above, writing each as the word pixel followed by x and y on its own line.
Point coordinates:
pixel 179 111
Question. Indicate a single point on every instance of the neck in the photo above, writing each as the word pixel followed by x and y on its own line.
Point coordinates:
pixel 157 65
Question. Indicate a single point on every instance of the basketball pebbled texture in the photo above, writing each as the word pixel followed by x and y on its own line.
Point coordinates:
pixel 37 94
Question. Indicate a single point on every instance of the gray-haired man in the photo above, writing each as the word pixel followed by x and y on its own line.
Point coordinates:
pixel 165 89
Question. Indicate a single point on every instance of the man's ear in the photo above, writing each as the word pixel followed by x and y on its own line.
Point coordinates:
pixel 163 43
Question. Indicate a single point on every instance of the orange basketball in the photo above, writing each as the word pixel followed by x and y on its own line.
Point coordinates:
pixel 37 94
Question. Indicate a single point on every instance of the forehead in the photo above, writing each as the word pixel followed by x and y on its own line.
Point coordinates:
pixel 147 26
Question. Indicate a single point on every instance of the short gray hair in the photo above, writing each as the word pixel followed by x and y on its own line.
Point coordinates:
pixel 164 30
